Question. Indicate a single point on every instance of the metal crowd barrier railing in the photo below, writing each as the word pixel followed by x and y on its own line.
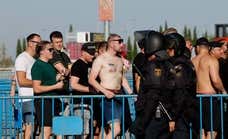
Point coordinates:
pixel 11 127
pixel 11 118
pixel 217 102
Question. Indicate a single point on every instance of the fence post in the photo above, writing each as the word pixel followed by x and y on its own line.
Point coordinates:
pixel 1 117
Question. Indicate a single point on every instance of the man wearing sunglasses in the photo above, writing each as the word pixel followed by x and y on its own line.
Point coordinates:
pixel 109 68
pixel 23 65
pixel 45 83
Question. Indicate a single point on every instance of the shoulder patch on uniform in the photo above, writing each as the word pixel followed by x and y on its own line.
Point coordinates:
pixel 157 72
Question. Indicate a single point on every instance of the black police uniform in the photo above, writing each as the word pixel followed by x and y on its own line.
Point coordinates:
pixel 184 104
pixel 154 86
pixel 184 101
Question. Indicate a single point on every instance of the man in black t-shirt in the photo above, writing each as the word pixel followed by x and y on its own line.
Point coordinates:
pixel 60 60
pixel 137 66
pixel 80 85
pixel 79 70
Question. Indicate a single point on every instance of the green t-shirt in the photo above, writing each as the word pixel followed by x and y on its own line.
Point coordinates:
pixel 46 73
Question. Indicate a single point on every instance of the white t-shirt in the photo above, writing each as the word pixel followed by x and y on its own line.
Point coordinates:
pixel 24 62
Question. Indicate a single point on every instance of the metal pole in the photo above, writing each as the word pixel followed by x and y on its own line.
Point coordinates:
pixel 106 29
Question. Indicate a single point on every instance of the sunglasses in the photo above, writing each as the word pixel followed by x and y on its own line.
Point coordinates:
pixel 119 40
pixel 51 50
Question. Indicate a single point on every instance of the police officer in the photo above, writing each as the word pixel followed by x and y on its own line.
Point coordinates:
pixel 183 91
pixel 150 122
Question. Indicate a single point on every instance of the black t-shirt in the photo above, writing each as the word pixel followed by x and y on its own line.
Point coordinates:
pixel 61 57
pixel 80 69
pixel 137 66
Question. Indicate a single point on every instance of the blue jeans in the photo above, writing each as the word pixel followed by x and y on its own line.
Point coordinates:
pixel 117 110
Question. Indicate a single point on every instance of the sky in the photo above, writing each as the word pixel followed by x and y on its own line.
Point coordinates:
pixel 19 18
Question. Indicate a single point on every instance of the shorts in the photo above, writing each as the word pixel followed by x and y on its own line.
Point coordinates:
pixel 28 112
pixel 44 117
pixel 117 110
pixel 206 114
pixel 85 115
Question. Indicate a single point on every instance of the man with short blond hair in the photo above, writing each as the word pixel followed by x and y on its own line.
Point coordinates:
pixel 109 68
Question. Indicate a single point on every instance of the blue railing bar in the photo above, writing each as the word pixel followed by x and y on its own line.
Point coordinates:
pixel 1 117
pixel 190 131
pixel 112 119
pixel 201 122
pixel 70 96
pixel 214 95
pixel 71 106
pixel 33 115
pixel 42 117
pixel 82 115
pixel 221 110
pixel 11 119
pixel 53 106
pixel 102 118
pixel 123 117
pixel 211 115
pixel 21 116
pixel 91 122
pixel 62 104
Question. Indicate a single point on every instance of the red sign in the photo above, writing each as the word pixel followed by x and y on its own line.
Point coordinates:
pixel 106 10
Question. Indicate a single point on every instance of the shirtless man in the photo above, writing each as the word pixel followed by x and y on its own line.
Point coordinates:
pixel 109 68
pixel 208 82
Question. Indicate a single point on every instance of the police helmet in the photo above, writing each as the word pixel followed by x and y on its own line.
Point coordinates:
pixel 154 41
pixel 177 42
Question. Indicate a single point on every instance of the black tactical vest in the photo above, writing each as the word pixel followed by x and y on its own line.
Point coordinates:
pixel 157 75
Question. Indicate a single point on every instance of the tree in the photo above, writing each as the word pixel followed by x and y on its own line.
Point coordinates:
pixel 19 49
pixel 160 29
pixel 23 44
pixel 185 32
pixel 189 36
pixel 194 38
pixel 71 28
pixel 4 60
pixel 129 49
pixel 206 35
pixel 166 25
pixel 3 51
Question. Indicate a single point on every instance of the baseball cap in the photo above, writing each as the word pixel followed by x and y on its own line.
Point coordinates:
pixel 202 41
pixel 89 48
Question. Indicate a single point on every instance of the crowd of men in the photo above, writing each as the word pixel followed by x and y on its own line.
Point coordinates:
pixel 44 69
pixel 165 78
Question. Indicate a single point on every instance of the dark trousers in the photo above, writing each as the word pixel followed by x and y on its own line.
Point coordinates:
pixel 181 129
pixel 157 129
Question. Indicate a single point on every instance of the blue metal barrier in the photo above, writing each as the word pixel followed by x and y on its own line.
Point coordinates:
pixel 71 104
pixel 7 116
pixel 215 102
pixel 9 129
